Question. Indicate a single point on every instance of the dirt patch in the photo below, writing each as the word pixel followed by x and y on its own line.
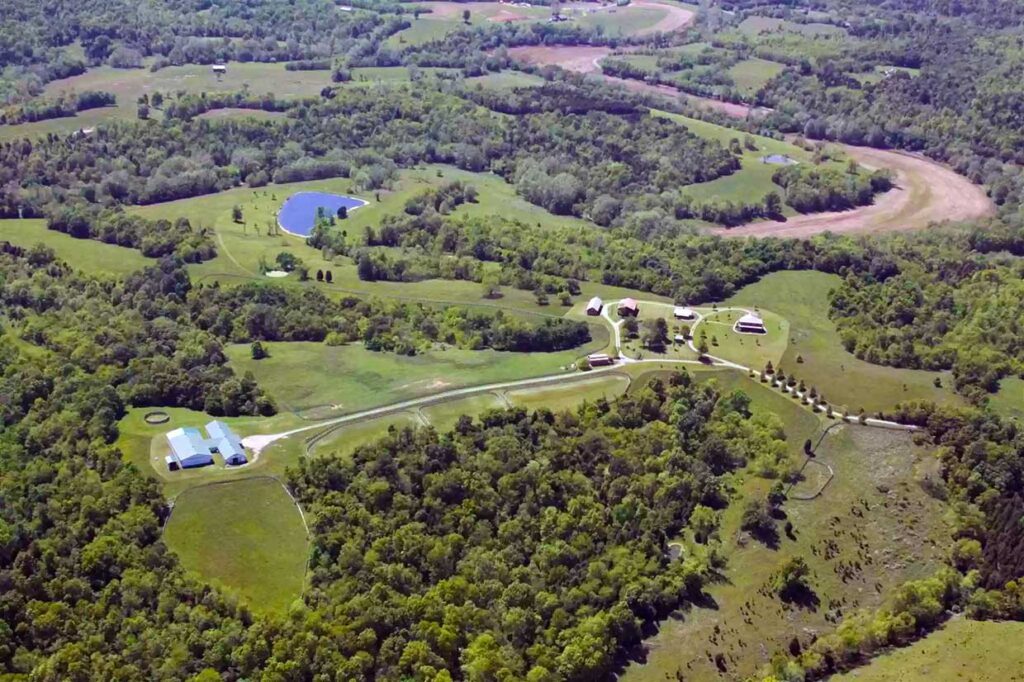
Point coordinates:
pixel 576 58
pixel 926 192
pixel 675 18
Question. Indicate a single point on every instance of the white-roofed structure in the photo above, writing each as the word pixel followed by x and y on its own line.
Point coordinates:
pixel 226 443
pixel 681 312
pixel 188 449
pixel 595 306
pixel 750 324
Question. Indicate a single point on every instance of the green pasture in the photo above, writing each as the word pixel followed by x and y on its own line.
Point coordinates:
pixel 145 446
pixel 750 75
pixel 962 649
pixel 323 381
pixel 130 84
pixel 246 536
pixel 423 30
pixel 623 21
pixel 505 80
pixel 749 350
pixel 87 255
pixel 883 527
pixel 238 113
pixel 754 179
pixel 568 396
pixel 1008 402
pixel 343 440
pixel 444 416
pixel 754 26
pixel 844 380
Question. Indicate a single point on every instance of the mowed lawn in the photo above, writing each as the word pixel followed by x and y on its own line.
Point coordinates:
pixel 322 381
pixel 875 515
pixel 816 355
pixel 963 650
pixel 343 440
pixel 87 255
pixel 246 536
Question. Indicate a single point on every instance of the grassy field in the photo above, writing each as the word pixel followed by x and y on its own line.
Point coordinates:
pixel 422 31
pixel 754 179
pixel 505 80
pixel 802 298
pixel 343 440
pixel 623 21
pixel 129 84
pixel 750 350
pixel 444 416
pixel 1009 401
pixel 241 246
pixel 753 26
pixel 877 540
pixel 964 650
pixel 87 255
pixel 750 75
pixel 246 536
pixel 322 381
pixel 558 398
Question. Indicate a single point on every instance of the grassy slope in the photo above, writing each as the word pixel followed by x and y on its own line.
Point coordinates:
pixel 802 298
pixel 965 650
pixel 327 381
pixel 1009 401
pixel 901 531
pixel 505 80
pixel 345 439
pixel 557 398
pixel 87 255
pixel 751 74
pixel 247 536
pixel 622 21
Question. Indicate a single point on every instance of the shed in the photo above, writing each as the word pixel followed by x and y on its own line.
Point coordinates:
pixel 629 307
pixel 683 313
pixel 219 68
pixel 595 306
pixel 599 359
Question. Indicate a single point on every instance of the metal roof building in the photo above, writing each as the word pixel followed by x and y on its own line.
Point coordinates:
pixel 188 449
pixel 226 443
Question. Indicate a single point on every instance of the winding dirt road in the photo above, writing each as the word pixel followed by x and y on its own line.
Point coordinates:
pixel 926 192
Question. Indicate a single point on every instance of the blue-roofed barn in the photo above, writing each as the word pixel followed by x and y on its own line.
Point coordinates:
pixel 226 443
pixel 188 449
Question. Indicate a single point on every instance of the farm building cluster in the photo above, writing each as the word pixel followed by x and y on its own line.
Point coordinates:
pixel 189 449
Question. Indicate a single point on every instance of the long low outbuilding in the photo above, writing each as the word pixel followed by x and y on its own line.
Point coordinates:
pixel 189 449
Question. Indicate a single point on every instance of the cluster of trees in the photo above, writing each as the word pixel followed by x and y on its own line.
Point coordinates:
pixel 192 105
pixel 65 104
pixel 528 546
pixel 811 189
pixel 154 238
pixel 266 312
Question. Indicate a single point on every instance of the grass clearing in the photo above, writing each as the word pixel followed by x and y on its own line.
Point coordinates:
pixel 754 26
pixel 130 84
pixel 87 255
pixel 880 526
pixel 321 381
pixel 444 416
pixel 750 75
pixel 505 80
pixel 847 382
pixel 343 440
pixel 422 31
pixel 750 350
pixel 966 650
pixel 245 536
pixel 1009 401
pixel 558 398
pixel 754 179
pixel 622 21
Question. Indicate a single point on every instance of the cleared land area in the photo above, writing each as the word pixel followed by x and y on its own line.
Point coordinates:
pixel 87 255
pixel 815 352
pixel 872 529
pixel 557 398
pixel 321 381
pixel 1009 401
pixel 926 192
pixel 246 536
pixel 965 650
pixel 751 74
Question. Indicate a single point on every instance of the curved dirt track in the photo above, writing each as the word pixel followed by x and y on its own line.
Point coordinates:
pixel 926 192
pixel 675 17
pixel 576 58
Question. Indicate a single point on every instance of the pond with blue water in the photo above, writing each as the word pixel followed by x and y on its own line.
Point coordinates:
pixel 298 214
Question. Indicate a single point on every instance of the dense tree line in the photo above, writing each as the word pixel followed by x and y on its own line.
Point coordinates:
pixel 154 238
pixel 262 312
pixel 58 107
pixel 525 546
